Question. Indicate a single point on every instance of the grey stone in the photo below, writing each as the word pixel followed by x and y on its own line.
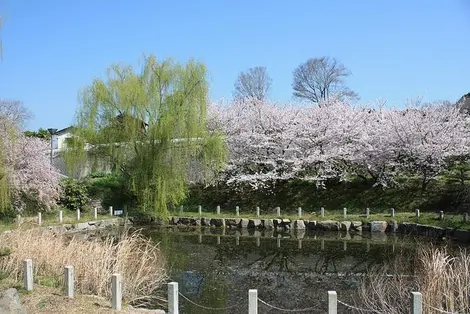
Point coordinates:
pixel 277 222
pixel 299 224
pixel 81 226
pixel 10 302
pixel 268 224
pixel 175 220
pixel 311 225
pixel 378 226
pixel 356 225
pixel 285 221
pixel 218 222
pixel 345 225
pixel 328 225
pixel 232 222
pixel 195 222
pixel 244 222
pixel 254 223
pixel 392 226
pixel 206 222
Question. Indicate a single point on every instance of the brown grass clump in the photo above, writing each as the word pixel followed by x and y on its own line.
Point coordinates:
pixel 138 260
pixel 442 278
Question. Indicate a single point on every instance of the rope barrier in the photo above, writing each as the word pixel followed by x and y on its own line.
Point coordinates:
pixel 206 307
pixel 286 310
pixel 357 308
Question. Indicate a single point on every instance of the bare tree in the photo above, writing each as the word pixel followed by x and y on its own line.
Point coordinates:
pixel 318 79
pixel 254 83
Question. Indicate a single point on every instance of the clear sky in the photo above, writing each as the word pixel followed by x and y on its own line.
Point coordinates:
pixel 396 49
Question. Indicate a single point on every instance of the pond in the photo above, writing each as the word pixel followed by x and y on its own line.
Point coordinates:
pixel 215 268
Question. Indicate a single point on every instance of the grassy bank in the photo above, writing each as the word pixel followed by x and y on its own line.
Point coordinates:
pixel 137 259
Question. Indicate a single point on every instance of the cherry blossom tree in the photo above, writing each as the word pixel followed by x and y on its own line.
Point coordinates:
pixel 272 142
pixel 28 179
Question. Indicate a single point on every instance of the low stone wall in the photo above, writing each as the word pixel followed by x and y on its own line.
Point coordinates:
pixel 284 225
pixel 90 225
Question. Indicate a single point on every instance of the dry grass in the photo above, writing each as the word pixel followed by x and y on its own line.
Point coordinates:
pixel 442 278
pixel 137 259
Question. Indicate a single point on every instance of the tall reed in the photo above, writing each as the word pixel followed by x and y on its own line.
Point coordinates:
pixel 138 260
pixel 442 278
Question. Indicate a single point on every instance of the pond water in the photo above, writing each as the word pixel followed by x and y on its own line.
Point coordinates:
pixel 216 268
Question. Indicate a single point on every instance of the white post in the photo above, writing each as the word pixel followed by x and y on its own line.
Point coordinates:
pixel 218 210
pixel 173 298
pixel 39 219
pixel 278 242
pixel 78 214
pixel 116 299
pixel 218 240
pixel 60 216
pixel 417 213
pixel 199 210
pixel 441 215
pixel 28 274
pixel 95 213
pixel 237 211
pixel 258 241
pixel 257 211
pixel 392 212
pixel 237 239
pixel 332 302
pixel 416 303
pixel 111 210
pixel 278 209
pixel 322 211
pixel 253 301
pixel 18 220
pixel 345 212
pixel 69 280
pixel 299 210
pixel 367 212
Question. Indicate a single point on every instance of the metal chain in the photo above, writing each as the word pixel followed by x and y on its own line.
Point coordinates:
pixel 206 307
pixel 356 308
pixel 286 310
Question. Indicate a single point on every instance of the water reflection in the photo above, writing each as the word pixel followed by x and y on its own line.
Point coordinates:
pixel 216 268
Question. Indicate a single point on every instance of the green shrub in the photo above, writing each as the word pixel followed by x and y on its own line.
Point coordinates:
pixel 74 194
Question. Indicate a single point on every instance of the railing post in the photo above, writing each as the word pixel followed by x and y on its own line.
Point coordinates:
pixel 299 211
pixel 28 274
pixel 199 210
pixel 111 210
pixel 332 302
pixel 218 209
pixel 116 300
pixel 173 298
pixel 69 280
pixel 78 214
pixel 416 303
pixel 60 216
pixel 18 220
pixel 278 211
pixel 367 212
pixel 322 212
pixel 253 301
pixel 39 219
pixel 441 215
pixel 345 212
pixel 392 212
pixel 257 211
pixel 237 210
pixel 95 213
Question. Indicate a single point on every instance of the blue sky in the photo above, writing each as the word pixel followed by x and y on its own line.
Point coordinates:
pixel 396 49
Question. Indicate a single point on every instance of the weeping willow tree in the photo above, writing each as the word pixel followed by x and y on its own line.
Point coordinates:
pixel 149 127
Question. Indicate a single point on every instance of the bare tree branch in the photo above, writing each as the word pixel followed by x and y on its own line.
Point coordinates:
pixel 318 79
pixel 254 83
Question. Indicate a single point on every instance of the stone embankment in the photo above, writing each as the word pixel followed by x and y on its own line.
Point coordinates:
pixel 109 223
pixel 284 225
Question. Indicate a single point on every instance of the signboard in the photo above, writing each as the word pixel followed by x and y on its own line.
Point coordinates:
pixel 118 212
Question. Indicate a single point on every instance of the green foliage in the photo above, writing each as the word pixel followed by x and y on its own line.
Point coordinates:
pixel 4 251
pixel 41 133
pixel 151 129
pixel 74 194
pixel 111 189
